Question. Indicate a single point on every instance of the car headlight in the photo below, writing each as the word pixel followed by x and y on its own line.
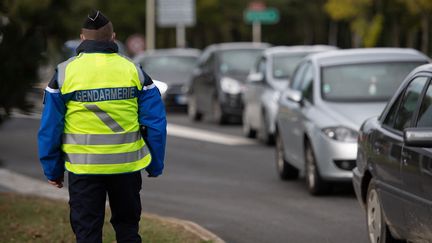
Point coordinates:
pixel 231 86
pixel 342 134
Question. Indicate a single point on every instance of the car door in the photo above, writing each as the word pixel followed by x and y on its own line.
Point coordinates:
pixel 206 85
pixel 252 95
pixel 297 119
pixel 387 144
pixel 416 170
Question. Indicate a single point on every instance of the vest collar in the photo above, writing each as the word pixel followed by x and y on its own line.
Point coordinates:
pixel 92 46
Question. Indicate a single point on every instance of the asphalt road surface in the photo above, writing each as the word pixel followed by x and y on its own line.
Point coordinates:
pixel 223 182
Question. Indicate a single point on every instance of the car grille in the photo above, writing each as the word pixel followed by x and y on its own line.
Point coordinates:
pixel 345 164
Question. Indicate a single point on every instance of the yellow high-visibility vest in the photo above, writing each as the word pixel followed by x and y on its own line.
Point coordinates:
pixel 101 132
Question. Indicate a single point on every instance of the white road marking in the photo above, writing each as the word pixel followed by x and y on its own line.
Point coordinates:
pixel 207 136
pixel 182 132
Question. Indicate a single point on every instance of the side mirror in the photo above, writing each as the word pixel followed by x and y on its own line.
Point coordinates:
pixel 255 78
pixel 418 137
pixel 293 95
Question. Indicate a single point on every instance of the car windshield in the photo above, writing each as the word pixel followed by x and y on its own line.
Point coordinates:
pixel 238 61
pixel 364 82
pixel 284 65
pixel 168 64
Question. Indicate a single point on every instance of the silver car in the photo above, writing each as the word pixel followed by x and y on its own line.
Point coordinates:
pixel 329 97
pixel 266 80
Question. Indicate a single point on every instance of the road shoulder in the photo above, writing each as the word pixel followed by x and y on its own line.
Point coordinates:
pixel 18 183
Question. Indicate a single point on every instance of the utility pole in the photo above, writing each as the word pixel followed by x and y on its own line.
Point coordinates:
pixel 150 24
pixel 256 31
pixel 181 36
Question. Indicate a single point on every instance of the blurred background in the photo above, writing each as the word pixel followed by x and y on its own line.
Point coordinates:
pixel 32 32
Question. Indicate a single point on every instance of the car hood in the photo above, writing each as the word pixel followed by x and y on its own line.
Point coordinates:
pixel 352 114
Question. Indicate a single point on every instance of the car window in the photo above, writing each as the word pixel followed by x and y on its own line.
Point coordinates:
pixel 409 103
pixel 238 61
pixel 391 115
pixel 262 66
pixel 307 83
pixel 298 77
pixel 284 65
pixel 364 81
pixel 425 113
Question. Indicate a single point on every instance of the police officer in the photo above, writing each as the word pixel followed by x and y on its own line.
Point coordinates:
pixel 94 108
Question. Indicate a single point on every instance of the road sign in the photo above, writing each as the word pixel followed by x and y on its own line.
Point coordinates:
pixel 172 13
pixel 266 16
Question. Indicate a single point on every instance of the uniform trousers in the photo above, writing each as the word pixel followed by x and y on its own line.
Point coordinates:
pixel 87 198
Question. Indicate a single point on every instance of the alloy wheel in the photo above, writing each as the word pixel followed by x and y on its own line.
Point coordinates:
pixel 374 214
pixel 310 168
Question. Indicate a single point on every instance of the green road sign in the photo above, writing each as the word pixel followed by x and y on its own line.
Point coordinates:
pixel 266 16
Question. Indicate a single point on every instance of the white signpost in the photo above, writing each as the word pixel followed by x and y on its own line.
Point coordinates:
pixel 176 13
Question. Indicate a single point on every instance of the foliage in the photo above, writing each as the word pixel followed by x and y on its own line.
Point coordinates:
pixel 32 31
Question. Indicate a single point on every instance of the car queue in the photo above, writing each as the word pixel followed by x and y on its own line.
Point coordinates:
pixel 315 103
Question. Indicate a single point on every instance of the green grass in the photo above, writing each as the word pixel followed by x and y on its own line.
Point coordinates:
pixel 33 219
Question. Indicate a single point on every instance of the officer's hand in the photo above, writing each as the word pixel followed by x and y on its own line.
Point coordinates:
pixel 57 182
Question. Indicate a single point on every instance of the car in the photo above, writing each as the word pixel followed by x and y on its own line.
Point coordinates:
pixel 70 46
pixel 174 67
pixel 329 97
pixel 266 80
pixel 217 83
pixel 393 177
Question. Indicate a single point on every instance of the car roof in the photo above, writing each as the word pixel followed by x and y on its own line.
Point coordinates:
pixel 297 49
pixel 237 45
pixel 367 55
pixel 423 68
pixel 169 52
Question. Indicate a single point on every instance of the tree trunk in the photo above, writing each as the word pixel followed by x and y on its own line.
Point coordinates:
pixel 333 33
pixel 425 33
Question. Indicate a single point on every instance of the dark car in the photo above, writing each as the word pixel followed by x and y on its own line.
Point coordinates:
pixel 173 67
pixel 70 46
pixel 393 178
pixel 217 83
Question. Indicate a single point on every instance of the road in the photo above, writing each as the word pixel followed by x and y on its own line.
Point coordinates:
pixel 229 188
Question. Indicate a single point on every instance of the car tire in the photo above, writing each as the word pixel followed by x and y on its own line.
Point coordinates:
pixel 315 183
pixel 247 130
pixel 192 109
pixel 264 135
pixel 378 231
pixel 219 117
pixel 284 169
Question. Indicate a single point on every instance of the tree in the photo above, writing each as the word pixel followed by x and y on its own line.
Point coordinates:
pixel 366 25
pixel 421 9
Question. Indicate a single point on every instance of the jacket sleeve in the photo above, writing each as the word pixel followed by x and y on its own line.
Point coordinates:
pixel 51 131
pixel 152 116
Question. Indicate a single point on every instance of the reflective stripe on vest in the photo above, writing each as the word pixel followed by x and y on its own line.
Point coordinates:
pixel 107 158
pixel 101 134
pixel 101 139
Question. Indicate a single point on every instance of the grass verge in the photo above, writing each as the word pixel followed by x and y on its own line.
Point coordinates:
pixel 34 219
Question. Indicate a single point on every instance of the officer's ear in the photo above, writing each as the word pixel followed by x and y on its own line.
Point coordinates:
pixel 82 37
pixel 113 36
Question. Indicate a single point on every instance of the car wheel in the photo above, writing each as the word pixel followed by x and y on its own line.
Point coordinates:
pixel 247 130
pixel 192 109
pixel 377 228
pixel 316 185
pixel 285 170
pixel 218 115
pixel 264 135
